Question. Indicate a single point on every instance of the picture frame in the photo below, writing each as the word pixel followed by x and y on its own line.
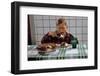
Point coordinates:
pixel 16 34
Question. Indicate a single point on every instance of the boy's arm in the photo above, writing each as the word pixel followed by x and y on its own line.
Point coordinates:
pixel 46 39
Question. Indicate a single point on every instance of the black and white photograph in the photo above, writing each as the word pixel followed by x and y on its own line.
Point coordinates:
pixel 57 37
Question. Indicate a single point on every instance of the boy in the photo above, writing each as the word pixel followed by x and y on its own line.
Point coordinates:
pixel 59 37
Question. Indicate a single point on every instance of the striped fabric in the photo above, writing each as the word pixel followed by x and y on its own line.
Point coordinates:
pixel 59 53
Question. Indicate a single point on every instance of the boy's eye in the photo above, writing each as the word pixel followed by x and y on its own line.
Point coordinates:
pixel 61 28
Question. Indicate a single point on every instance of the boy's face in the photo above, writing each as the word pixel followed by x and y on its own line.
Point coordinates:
pixel 61 28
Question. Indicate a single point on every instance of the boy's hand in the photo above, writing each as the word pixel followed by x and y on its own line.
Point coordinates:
pixel 64 44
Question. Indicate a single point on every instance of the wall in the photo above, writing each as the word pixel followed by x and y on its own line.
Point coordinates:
pixel 5 37
pixel 42 24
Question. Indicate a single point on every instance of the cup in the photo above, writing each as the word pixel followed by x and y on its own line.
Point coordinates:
pixel 74 42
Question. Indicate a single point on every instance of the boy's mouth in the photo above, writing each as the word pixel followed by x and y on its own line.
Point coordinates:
pixel 62 36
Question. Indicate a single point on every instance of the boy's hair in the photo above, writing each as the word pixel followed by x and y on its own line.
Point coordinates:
pixel 60 21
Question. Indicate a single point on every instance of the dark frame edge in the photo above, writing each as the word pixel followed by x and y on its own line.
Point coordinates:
pixel 14 49
pixel 12 39
pixel 56 70
pixel 53 5
pixel 96 37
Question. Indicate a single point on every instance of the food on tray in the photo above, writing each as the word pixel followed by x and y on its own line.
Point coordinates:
pixel 46 46
pixel 50 46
